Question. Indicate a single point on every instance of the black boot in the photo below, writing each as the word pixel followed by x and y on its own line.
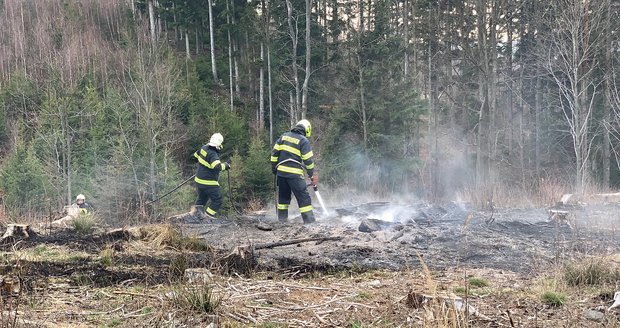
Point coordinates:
pixel 308 217
pixel 200 212
pixel 283 216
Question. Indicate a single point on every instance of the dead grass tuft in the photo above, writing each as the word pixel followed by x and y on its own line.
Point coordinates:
pixel 161 235
pixel 107 256
pixel 439 311
pixel 165 235
pixel 198 297
pixel 591 272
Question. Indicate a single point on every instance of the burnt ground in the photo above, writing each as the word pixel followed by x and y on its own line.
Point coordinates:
pixel 443 236
pixel 407 273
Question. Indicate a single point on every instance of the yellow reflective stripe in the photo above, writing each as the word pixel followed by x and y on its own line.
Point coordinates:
pixel 283 206
pixel 203 152
pixel 203 162
pixel 290 170
pixel 206 182
pixel 289 149
pixel 196 155
pixel 310 167
pixel 291 139
pixel 223 166
pixel 274 158
pixel 210 211
pixel 305 209
pixel 307 156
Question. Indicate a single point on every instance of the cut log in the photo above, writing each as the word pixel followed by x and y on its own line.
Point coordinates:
pixel 17 231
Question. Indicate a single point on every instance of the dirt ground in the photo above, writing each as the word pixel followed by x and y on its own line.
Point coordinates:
pixel 425 266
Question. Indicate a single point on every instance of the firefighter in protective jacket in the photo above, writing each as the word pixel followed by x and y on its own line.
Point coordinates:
pixel 291 154
pixel 207 174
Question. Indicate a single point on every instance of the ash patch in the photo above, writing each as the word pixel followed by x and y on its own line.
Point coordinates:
pixel 443 236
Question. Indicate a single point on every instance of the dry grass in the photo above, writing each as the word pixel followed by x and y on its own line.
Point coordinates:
pixel 545 192
pixel 194 297
pixel 591 272
pixel 107 256
pixel 166 236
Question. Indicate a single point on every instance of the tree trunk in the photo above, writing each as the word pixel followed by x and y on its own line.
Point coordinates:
pixel 362 102
pixel 538 124
pixel 270 99
pixel 187 53
pixel 334 22
pixel 304 100
pixel 212 42
pixel 230 64
pixel 261 90
pixel 235 53
pixel 607 101
pixel 406 39
pixel 293 35
pixel 510 86
pixel 152 20
pixel 360 66
pixel 482 165
pixel 293 113
pixel 196 35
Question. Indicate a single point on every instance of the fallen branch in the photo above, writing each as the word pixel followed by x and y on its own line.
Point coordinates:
pixel 293 242
pixel 136 294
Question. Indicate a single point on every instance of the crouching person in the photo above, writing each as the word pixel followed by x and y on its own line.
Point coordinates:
pixel 73 211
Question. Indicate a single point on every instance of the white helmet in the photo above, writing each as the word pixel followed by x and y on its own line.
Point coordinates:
pixel 216 141
pixel 80 196
pixel 306 126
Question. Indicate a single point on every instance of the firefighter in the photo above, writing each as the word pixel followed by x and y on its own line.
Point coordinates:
pixel 80 202
pixel 291 154
pixel 207 174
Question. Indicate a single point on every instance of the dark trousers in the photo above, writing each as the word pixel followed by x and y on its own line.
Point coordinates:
pixel 298 187
pixel 209 192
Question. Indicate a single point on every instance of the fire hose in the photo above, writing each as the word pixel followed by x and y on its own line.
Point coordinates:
pixel 171 191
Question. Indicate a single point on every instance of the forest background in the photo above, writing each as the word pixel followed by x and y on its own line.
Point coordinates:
pixel 481 100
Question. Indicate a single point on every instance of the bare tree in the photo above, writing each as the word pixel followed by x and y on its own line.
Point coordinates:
pixel 571 61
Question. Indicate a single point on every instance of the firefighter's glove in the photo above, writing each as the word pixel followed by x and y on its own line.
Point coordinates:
pixel 315 180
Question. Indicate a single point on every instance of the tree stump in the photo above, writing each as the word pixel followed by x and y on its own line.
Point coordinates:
pixel 17 231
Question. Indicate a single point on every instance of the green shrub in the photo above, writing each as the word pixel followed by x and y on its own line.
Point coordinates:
pixel 84 224
pixel 478 282
pixel 257 171
pixel 554 298
pixel 460 290
pixel 23 182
